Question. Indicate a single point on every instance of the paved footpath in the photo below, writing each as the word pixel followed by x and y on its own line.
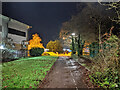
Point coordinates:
pixel 67 73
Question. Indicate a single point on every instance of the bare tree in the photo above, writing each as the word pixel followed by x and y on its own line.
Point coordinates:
pixel 91 18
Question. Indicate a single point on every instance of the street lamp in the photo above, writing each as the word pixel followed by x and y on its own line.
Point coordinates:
pixel 73 34
pixel 64 49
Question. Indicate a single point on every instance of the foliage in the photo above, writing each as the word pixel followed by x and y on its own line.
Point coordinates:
pixel 64 36
pixel 55 46
pixel 73 46
pixel 105 66
pixel 35 42
pixel 77 45
pixel 26 72
pixel 87 23
pixel 108 79
pixel 8 54
pixel 80 45
pixel 94 49
pixel 56 54
pixel 49 54
pixel 116 7
pixel 36 51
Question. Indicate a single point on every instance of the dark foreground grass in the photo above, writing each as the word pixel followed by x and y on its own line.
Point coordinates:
pixel 26 72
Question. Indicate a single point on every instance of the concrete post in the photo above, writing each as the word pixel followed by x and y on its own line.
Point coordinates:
pixel 4 30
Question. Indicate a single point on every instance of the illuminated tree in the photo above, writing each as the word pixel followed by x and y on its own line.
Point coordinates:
pixel 55 46
pixel 35 42
pixel 50 46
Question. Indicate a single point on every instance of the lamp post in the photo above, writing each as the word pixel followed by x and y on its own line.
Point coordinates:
pixel 73 44
pixel 79 45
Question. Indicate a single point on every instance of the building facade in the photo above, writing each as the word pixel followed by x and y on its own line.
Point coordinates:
pixel 13 32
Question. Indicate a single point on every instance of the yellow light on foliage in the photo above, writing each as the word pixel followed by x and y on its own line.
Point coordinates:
pixel 35 42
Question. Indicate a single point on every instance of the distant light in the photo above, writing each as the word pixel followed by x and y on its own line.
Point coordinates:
pixel 63 38
pixel 73 34
pixel 1 47
pixel 29 27
pixel 46 50
pixel 69 50
pixel 64 49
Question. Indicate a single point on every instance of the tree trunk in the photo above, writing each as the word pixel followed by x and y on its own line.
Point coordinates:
pixel 79 45
pixel 73 46
pixel 100 45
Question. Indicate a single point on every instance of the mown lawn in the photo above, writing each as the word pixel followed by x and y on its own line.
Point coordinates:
pixel 26 72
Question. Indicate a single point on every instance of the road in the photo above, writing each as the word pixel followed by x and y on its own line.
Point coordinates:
pixel 66 73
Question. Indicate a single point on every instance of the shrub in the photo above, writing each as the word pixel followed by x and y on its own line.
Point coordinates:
pixel 108 79
pixel 105 67
pixel 36 51
pixel 9 54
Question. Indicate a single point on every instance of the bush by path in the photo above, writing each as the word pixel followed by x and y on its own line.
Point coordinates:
pixel 36 51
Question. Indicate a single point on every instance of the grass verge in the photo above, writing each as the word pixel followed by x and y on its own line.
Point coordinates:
pixel 26 72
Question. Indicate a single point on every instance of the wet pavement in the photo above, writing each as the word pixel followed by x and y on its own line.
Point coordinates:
pixel 66 73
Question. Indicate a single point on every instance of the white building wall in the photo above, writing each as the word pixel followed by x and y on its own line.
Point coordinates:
pixel 17 39
pixel 16 25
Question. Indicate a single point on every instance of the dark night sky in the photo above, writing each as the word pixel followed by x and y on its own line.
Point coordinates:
pixel 45 18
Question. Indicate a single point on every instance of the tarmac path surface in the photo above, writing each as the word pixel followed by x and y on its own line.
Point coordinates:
pixel 66 73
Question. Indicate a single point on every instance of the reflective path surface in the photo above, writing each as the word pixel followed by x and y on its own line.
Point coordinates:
pixel 66 73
